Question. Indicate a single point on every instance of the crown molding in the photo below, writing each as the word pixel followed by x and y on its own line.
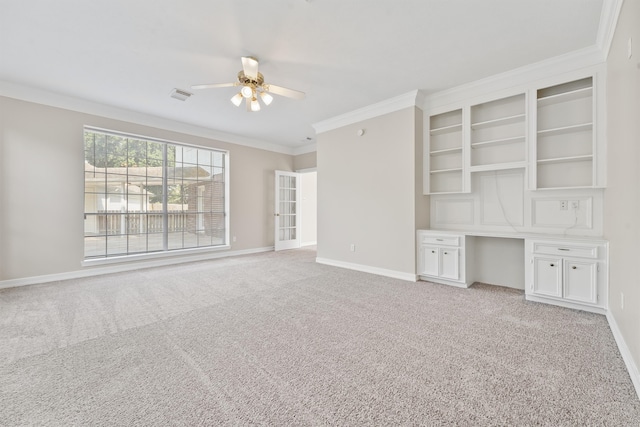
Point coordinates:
pixel 52 99
pixel 374 110
pixel 608 22
pixel 557 65
pixel 309 148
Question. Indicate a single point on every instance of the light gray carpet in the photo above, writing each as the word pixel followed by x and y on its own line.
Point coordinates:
pixel 276 339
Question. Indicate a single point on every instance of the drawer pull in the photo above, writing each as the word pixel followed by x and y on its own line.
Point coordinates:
pixel 564 249
pixel 440 240
pixel 552 265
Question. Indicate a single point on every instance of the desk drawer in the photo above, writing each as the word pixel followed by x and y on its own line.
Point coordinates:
pixel 566 250
pixel 441 240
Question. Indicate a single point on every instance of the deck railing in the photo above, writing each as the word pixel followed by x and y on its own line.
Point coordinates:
pixel 117 222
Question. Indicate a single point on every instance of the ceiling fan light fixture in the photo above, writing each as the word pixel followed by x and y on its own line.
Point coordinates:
pixel 247 91
pixel 266 98
pixel 255 105
pixel 237 99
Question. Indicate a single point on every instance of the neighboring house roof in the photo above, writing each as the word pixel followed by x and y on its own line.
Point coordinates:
pixel 142 174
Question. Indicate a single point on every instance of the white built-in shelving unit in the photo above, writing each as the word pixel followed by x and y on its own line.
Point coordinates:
pixel 498 134
pixel 565 153
pixel 549 133
pixel 445 153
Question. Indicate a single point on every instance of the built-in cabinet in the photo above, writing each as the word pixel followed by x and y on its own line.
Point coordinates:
pixel 547 131
pixel 525 163
pixel 441 258
pixel 567 273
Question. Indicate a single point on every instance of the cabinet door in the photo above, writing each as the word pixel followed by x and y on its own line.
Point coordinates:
pixel 429 261
pixel 580 283
pixel 547 276
pixel 449 263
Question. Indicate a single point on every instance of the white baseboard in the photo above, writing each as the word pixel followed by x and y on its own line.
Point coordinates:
pixel 368 269
pixel 96 271
pixel 625 352
pixel 308 244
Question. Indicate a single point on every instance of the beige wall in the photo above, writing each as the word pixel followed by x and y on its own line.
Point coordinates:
pixel 42 185
pixel 622 196
pixel 305 161
pixel 309 208
pixel 367 192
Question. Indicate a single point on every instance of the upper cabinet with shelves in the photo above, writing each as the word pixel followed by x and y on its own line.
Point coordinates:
pixel 550 131
pixel 498 134
pixel 445 157
pixel 565 151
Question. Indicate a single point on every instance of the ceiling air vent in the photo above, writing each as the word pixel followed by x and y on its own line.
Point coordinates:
pixel 180 94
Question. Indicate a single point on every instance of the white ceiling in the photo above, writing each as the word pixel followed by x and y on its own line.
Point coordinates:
pixel 345 54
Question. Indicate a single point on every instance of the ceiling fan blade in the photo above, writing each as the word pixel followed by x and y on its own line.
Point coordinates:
pixel 279 90
pixel 211 86
pixel 250 67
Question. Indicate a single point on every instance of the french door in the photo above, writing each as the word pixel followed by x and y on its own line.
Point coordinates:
pixel 287 211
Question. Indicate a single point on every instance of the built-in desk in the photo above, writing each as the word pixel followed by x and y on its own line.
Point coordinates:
pixel 566 271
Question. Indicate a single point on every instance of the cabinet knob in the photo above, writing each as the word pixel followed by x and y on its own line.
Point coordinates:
pixel 552 265
pixel 446 253
pixel 433 252
pixel 574 267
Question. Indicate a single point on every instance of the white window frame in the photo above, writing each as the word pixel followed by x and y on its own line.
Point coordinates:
pixel 165 253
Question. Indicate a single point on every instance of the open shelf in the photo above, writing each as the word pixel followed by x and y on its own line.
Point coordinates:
pixel 566 129
pixel 565 97
pixel 498 167
pixel 446 170
pixel 446 151
pixel 446 129
pixel 498 122
pixel 566 159
pixel 500 141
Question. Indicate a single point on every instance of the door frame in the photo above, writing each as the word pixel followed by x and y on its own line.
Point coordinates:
pixel 288 243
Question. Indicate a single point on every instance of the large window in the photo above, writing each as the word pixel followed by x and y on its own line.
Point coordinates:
pixel 143 195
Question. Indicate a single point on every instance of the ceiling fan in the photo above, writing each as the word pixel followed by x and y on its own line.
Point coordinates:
pixel 253 87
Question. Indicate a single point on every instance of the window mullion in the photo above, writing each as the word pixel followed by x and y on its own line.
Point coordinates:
pixel 165 187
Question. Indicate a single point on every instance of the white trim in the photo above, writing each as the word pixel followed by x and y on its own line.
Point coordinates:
pixel 93 262
pixel 513 79
pixel 566 304
pixel 608 22
pixel 374 110
pixel 441 281
pixel 307 170
pixel 309 148
pixel 368 269
pixel 88 272
pixel 308 244
pixel 625 353
pixel 44 97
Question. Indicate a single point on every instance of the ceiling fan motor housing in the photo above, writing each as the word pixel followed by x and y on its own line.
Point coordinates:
pixel 248 81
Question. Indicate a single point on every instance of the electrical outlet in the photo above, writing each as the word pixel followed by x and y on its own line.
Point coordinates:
pixel 621 301
pixel 575 205
pixel 563 205
pixel 352 248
